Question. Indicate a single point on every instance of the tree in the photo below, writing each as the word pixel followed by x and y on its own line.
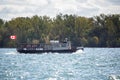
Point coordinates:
pixel 98 31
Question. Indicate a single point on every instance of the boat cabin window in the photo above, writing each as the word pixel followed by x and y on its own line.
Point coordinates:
pixel 54 41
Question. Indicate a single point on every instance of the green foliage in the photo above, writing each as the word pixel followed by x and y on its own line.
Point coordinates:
pixel 98 31
pixel 84 41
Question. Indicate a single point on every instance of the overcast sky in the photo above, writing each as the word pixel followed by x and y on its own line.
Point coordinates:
pixel 21 8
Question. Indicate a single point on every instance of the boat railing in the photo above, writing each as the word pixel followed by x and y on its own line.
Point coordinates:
pixel 29 46
pixel 43 46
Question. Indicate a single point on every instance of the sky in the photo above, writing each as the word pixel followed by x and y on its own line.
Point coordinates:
pixel 10 9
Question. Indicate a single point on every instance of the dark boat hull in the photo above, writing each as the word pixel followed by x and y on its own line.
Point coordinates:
pixel 47 51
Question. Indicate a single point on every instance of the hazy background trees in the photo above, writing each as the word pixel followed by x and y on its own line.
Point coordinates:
pixel 97 31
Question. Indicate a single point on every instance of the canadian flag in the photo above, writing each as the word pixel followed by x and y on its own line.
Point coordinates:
pixel 13 37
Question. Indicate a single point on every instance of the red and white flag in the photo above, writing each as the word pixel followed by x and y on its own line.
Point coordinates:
pixel 13 37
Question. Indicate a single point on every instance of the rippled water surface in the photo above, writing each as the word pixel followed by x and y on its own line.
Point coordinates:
pixel 90 64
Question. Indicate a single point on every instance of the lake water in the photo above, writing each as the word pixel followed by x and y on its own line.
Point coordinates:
pixel 90 64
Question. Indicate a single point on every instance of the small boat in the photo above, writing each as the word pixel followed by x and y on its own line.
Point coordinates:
pixel 53 47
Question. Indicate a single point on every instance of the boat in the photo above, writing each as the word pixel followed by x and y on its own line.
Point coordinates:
pixel 54 46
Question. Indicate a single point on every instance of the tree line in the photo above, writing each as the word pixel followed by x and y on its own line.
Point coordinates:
pixel 97 31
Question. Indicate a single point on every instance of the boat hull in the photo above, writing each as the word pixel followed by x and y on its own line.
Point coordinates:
pixel 47 51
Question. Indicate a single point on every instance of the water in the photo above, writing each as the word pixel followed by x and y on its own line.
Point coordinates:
pixel 92 64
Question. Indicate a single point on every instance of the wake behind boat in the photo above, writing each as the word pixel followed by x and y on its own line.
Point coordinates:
pixel 53 46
